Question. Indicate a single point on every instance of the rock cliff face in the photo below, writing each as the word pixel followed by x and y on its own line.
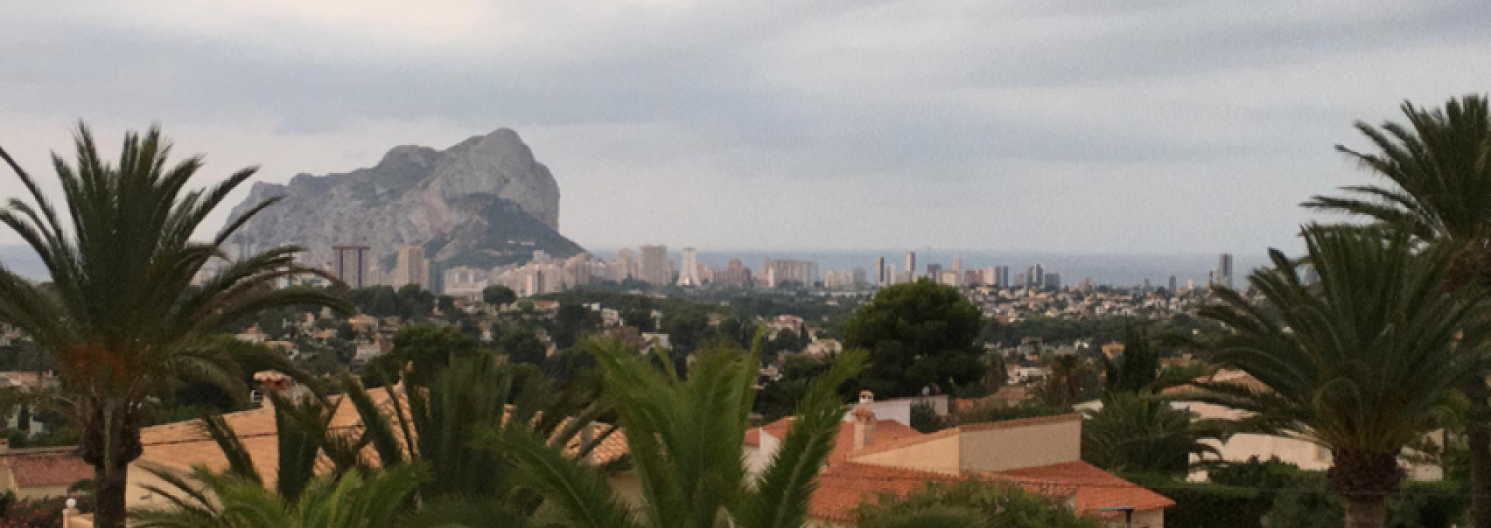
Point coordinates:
pixel 483 202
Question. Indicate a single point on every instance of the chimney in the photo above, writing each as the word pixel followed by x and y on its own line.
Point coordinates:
pixel 864 421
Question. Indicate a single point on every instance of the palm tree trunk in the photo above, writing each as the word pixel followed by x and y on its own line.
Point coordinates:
pixel 1364 479
pixel 1478 440
pixel 110 487
pixel 1365 512
pixel 111 441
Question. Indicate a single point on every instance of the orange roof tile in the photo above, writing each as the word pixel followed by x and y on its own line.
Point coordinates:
pixel 1095 488
pixel 887 433
pixel 844 487
pixel 47 469
pixel 753 437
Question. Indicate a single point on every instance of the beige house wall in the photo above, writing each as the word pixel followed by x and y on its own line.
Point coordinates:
pixel 136 494
pixel 1001 449
pixel 938 455
pixel 1306 455
pixel 1144 519
pixel 758 457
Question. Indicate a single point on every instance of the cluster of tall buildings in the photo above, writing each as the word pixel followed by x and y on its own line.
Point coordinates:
pixel 995 276
pixel 352 265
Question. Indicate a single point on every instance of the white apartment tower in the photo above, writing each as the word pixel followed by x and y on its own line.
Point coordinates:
pixel 411 268
pixel 1223 274
pixel 688 273
pixel 655 268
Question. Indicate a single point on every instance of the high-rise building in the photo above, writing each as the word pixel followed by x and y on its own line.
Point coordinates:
pixel 1002 276
pixel 957 263
pixel 1036 275
pixel 1052 280
pixel 577 270
pixel 411 267
pixel 911 264
pixel 734 276
pixel 621 267
pixel 534 282
pixel 880 279
pixel 779 271
pixel 688 273
pixel 890 275
pixel 1223 276
pixel 351 264
pixel 1170 286
pixel 973 277
pixel 934 272
pixel 655 267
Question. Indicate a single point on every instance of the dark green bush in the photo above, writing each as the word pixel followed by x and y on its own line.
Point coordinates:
pixel 1207 505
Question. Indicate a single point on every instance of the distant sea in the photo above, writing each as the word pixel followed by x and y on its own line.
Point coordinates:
pixel 1116 269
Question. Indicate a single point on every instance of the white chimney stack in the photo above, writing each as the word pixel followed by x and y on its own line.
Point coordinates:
pixel 864 421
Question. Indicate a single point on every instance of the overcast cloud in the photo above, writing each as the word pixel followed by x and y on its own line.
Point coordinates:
pixel 1175 127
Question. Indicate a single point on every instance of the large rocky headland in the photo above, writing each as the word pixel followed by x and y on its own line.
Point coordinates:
pixel 484 202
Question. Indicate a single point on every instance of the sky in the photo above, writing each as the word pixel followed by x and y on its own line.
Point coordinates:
pixel 1069 126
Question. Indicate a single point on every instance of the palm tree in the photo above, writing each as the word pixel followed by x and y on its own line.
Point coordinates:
pixel 1438 172
pixel 1068 381
pixel 119 315
pixel 431 425
pixel 685 438
pixel 1358 363
pixel 372 499
pixel 1141 434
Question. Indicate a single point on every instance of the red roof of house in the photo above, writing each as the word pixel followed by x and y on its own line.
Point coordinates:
pixel 47 470
pixel 1095 488
pixel 844 487
pixel 886 432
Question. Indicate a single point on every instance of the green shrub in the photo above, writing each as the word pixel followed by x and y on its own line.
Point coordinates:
pixel 994 506
pixel 996 413
pixel 1276 494
pixel 1207 505
pixel 924 418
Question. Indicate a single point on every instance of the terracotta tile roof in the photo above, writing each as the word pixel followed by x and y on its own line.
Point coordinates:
pixel 844 487
pixel 844 484
pixel 1095 488
pixel 47 469
pixel 887 433
pixel 1223 376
